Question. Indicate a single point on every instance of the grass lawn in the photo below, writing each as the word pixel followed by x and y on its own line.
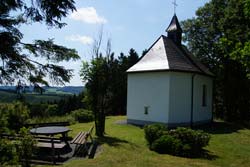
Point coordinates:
pixel 125 146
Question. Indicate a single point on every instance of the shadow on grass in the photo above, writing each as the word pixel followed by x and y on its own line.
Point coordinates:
pixel 43 156
pixel 205 154
pixel 220 128
pixel 111 141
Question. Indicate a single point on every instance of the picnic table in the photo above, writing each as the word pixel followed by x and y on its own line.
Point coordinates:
pixel 51 131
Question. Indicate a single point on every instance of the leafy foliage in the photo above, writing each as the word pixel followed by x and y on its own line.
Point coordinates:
pixel 66 105
pixel 13 116
pixel 167 144
pixel 66 118
pixel 106 87
pixel 181 141
pixel 219 37
pixel 25 147
pixel 97 75
pixel 82 115
pixel 18 59
pixel 153 132
pixel 192 141
pixel 8 153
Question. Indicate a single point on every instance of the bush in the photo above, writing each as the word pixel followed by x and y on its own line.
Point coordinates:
pixel 181 141
pixel 167 144
pixel 43 110
pixel 37 110
pixel 82 115
pixel 153 132
pixel 8 153
pixel 52 110
pixel 25 147
pixel 192 141
pixel 3 120
pixel 16 115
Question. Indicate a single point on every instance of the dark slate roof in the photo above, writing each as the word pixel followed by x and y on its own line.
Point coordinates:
pixel 174 25
pixel 165 55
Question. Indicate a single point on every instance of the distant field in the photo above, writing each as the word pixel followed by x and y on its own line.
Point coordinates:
pixel 54 91
pixel 8 97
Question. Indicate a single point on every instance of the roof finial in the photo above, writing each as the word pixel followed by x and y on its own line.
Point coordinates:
pixel 175 5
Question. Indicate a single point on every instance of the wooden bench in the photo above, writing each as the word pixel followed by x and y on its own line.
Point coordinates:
pixel 81 139
pixel 43 141
pixel 46 139
pixel 49 145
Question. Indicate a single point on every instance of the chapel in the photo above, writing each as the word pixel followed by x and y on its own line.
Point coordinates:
pixel 169 85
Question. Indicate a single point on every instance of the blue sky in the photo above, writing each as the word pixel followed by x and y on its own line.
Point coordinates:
pixel 129 23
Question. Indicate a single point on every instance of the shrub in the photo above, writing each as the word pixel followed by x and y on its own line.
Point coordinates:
pixel 8 153
pixel 25 147
pixel 43 110
pixel 82 115
pixel 16 115
pixel 167 144
pixel 181 141
pixel 3 120
pixel 51 110
pixel 196 140
pixel 153 132
pixel 37 110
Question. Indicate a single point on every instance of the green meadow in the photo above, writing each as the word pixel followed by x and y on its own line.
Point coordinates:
pixel 125 146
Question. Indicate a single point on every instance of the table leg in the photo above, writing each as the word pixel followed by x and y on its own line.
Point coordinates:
pixel 53 151
pixel 65 136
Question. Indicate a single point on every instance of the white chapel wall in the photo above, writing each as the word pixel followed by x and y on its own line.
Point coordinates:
pixel 202 113
pixel 180 98
pixel 148 90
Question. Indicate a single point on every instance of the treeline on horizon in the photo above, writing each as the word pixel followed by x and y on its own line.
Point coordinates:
pixel 118 84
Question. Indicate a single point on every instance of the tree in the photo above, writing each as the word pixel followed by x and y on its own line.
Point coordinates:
pixel 119 81
pixel 97 75
pixel 18 59
pixel 38 89
pixel 220 37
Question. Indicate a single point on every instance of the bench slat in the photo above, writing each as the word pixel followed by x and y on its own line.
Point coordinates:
pixel 45 137
pixel 80 137
pixel 49 145
pixel 48 141
pixel 83 139
pixel 76 137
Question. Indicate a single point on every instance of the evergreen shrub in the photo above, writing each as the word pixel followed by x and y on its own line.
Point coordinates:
pixel 193 141
pixel 181 141
pixel 153 132
pixel 167 144
pixel 82 115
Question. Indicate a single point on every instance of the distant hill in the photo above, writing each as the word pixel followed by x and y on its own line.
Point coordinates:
pixel 8 88
pixel 8 97
pixel 49 90
pixel 8 94
pixel 72 89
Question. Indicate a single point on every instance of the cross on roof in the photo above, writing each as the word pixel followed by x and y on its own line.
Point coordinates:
pixel 175 5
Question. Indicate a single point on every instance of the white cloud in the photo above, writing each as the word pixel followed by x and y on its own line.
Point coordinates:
pixel 88 15
pixel 78 38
